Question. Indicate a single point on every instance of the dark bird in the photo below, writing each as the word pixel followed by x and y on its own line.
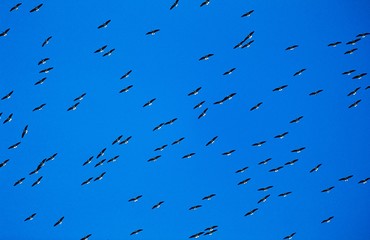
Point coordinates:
pixel 350 51
pixel 73 107
pixel 175 4
pixel 265 188
pixel 47 40
pixel 247 14
pixel 197 235
pixel 245 181
pixel 315 92
pixel 149 103
pixel 348 72
pixel 135 199
pixel 117 140
pixel 359 76
pixel 279 89
pixel 368 87
pixel 352 93
pixel 326 190
pixel 39 108
pixel 20 181
pixel 355 104
pixel 251 212
pixel 353 42
pixel 256 106
pixel 199 105
pixel 249 36
pixel 113 159
pixel 8 119
pixel 37 182
pixel 170 122
pixel 152 32
pixel 229 97
pixel 289 236
pixel 206 57
pixel 86 181
pixel 136 231
pixel 291 162
pixel 101 153
pixel 296 120
pixel 299 72
pixel 109 52
pixel 228 153
pixel 4 163
pixel 315 169
pixel 284 194
pixel 14 145
pixel 241 170
pixel 41 81
pixel 4 33
pixel 7 96
pixel 195 207
pixel 205 3
pixel 178 141
pixel 209 197
pixel 15 8
pixel 126 89
pixel 248 44
pixel 258 144
pixel 105 24
pixel 86 237
pixel 327 220
pixel 126 140
pixel 100 177
pixel 79 98
pixel 263 199
pixel 51 158
pixel 100 163
pixel 88 161
pixel 265 161
pixel 30 217
pixel 345 179
pixel 188 155
pixel 212 141
pixel 37 8
pixel 364 181
pixel 43 61
pixel 334 44
pixel 161 148
pixel 229 71
pixel 210 228
pixel 153 159
pixel 159 126
pixel 60 221
pixel 276 169
pixel 239 45
pixel 210 232
pixel 99 50
pixel 362 35
pixel 126 75
pixel 281 136
pixel 290 48
pixel 203 113
pixel 46 70
pixel 298 150
pixel 194 92
pixel 158 205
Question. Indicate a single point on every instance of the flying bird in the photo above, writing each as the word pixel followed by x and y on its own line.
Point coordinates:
pixel 101 153
pixel 60 221
pixel 265 188
pixel 359 76
pixel 362 35
pixel 210 232
pixel 161 148
pixel 263 199
pixel 299 72
pixel 159 126
pixel 51 158
pixel 296 120
pixel 14 146
pixel 152 32
pixel 37 8
pixel 100 163
pixel 39 108
pixel 47 40
pixel 284 194
pixel 353 42
pixel 258 144
pixel 315 92
pixel 205 3
pixel 153 159
pixel 289 236
pixel 46 70
pixel 41 81
pixel 43 61
pixel 117 140
pixel 29 218
pixel 175 4
pixel 126 89
pixel 195 92
pixel 206 57
pixel 251 212
pixel 7 96
pixel 79 98
pixel 15 7
pixel 149 103
pixel 265 161
pixel 86 181
pixel 135 199
pixel 315 169
pixel 248 44
pixel 100 177
pixel 86 237
pixel 276 169
pixel 105 24
pixel 170 122
pixel 88 161
pixel 298 150
pixel 20 181
pixel 255 107
pixel 126 140
pixel 327 220
pixel 334 44
pixel 203 113
pixel 109 52
pixel 355 104
pixel 158 205
pixel 326 190
pixel 350 51
pixel 245 181
pixel 290 48
pixel 73 107
pixel 4 33
pixel 345 179
pixel 199 105
pixel 228 153
pixel 4 163
pixel 188 155
pixel 364 181
pixel 9 118
pixel 126 75
pixel 195 207
pixel 279 89
pixel 113 159
pixel 136 231
pixel 348 72
pixel 209 197
pixel 282 135
pixel 101 49
pixel 37 182
pixel 241 170
pixel 247 14
pixel 292 162
pixel 197 235
pixel 229 71
pixel 353 92
pixel 178 141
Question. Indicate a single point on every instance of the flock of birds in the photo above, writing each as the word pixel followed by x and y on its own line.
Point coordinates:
pixel 99 159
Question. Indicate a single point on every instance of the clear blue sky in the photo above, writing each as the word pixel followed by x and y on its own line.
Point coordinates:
pixel 165 66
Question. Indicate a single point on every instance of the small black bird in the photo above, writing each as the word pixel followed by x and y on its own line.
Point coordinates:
pixel 315 169
pixel 206 57
pixel 298 150
pixel 205 3
pixel 197 235
pixel 88 161
pixel 39 108
pixel 7 96
pixel 355 104
pixel 296 120
pixel 350 51
pixel 362 35
pixel 126 89
pixel 101 49
pixel 281 136
pixel 241 170
pixel 228 153
pixel 37 8
pixel 113 159
pixel 290 48
pixel 284 194
pixel 100 177
pixel 195 92
pixel 117 140
pixel 4 33
pixel 86 237
pixel 195 207
pixel 290 236
pixel 152 32
pixel 364 181
pixel 256 106
pixel 158 205
pixel 265 161
pixel 14 145
pixel 315 92
pixel 170 122
pixel 30 217
pixel 178 141
pixel 189 155
pixel 276 169
pixel 51 158
pixel 265 188
pixel 175 4
pixel 299 72
pixel 20 181
pixel 352 93
pixel 37 182
pixel 4 163
pixel 100 163
pixel 153 159
pixel 136 231
pixel 248 44
pixel 334 44
pixel 73 107
pixel 199 105
pixel 245 181
pixel 41 81
pixel 210 232
pixel 47 40
pixel 348 72
pixel 109 52
pixel 126 140
pixel 43 61
pixel 86 181
pixel 101 153
pixel 79 98
pixel 60 221
pixel 249 36
pixel 203 113
pixel 15 8
pixel 345 179
pixel 258 144
pixel 105 24
pixel 359 76
pixel 326 190
pixel 251 212
pixel 327 220
pixel 279 89
pixel 291 162
pixel 159 126
pixel 149 103
pixel 247 14
pixel 263 199
pixel 209 197
pixel 353 42
pixel 135 199
pixel 46 70
pixel 229 71
pixel 9 118
pixel 126 75
pixel 161 148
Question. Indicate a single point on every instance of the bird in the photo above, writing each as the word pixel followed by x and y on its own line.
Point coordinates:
pixel 298 150
pixel 327 220
pixel 299 72
pixel 195 207
pixel 368 87
pixel 265 188
pixel 203 113
pixel 88 161
pixel 135 199
pixel 46 41
pixel 100 163
pixel 247 14
pixel 20 181
pixel 189 155
pixel 263 199
pixel 153 159
pixel 353 92
pixel 7 96
pixel 296 120
pixel 249 36
pixel 206 57
pixel 248 44
pixel 158 205
pixel 315 169
pixel 152 32
pixel 149 103
pixel 276 169
pixel 241 170
pixel 79 98
pixel 265 161
pixel 355 104
pixel 101 153
pixel 41 81
pixel 282 135
pixel 178 141
pixel 229 71
pixel 170 122
pixel 161 148
pixel 209 197
pixel 175 4
pixel 37 182
pixel 348 72
pixel 113 159
pixel 14 145
pixel 8 119
pixel 239 45
pixel 51 157
pixel 284 194
pixel 197 235
pixel 205 3
pixel 353 42
pixel 364 181
pixel 315 92
pixel 159 126
pixel 362 35
pixel 245 181
pixel 290 236
pixel 126 75
pixel 30 218
pixel 100 177
pixel 4 163
pixel 126 89
pixel 43 61
pixel 125 141
pixel 117 140
pixel 212 141
pixel 210 232
pixel 258 144
pixel 101 49
pixel 292 162
pixel 104 25
pixel 109 52
pixel 350 51
pixel 359 76
pixel 15 7
pixel 345 179
pixel 334 44
pixel 228 153
pixel 39 108
pixel 5 32
pixel 86 181
pixel 255 107
pixel 195 92
pixel 290 48
pixel 199 105
pixel 326 190
pixel 37 8
pixel 46 70
pixel 60 221
pixel 251 212
pixel 86 237
pixel 136 231
pixel 279 89
pixel 73 107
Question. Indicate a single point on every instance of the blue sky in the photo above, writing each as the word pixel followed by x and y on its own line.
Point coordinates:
pixel 165 66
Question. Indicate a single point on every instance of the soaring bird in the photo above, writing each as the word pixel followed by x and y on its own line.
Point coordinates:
pixel 276 169
pixel 189 155
pixel 203 113
pixel 101 153
pixel 326 190
pixel 37 182
pixel 117 140
pixel 109 52
pixel 125 141
pixel 153 159
pixel 315 92
pixel 290 48
pixel 345 179
pixel 315 169
pixel 7 96
pixel 258 144
pixel 20 181
pixel 126 75
pixel 46 42
pixel 334 44
pixel 248 44
pixel 229 71
pixel 126 89
pixel 359 76
pixel 247 14
pixel 39 108
pixel 46 70
pixel 4 33
pixel 350 51
pixel 100 177
pixel 292 162
pixel 37 8
pixel 348 72
pixel 327 220
pixel 86 237
pixel 241 170
pixel 60 221
pixel 353 92
pixel 73 107
pixel 88 161
pixel 206 57
pixel 205 3
pixel 100 163
pixel 265 161
pixel 362 35
pixel 152 32
pixel 298 150
pixel 195 92
pixel 136 231
pixel 364 181
pixel 158 205
pixel 195 207
pixel 159 126
pixel 249 36
pixel 212 141
pixel 15 7
pixel 353 42
pixel 228 153
pixel 51 158
pixel 251 212
pixel 86 181
pixel 290 236
pixel 175 4
pixel 113 159
pixel 299 72
pixel 279 89
pixel 255 107
pixel 9 118
pixel 149 103
pixel 79 98
pixel 170 122
pixel 4 163
pixel 14 145
pixel 41 81
pixel 296 120
pixel 265 188
pixel 161 148
pixel 245 181
pixel 43 61
pixel 178 141
pixel 210 232
pixel 355 104
pixel 101 49
pixel 282 135
pixel 29 218
pixel 135 199
pixel 209 197
pixel 199 105
pixel 284 194
pixel 197 235
pixel 263 199
pixel 105 24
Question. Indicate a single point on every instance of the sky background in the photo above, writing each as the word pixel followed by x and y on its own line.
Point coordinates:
pixel 166 67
